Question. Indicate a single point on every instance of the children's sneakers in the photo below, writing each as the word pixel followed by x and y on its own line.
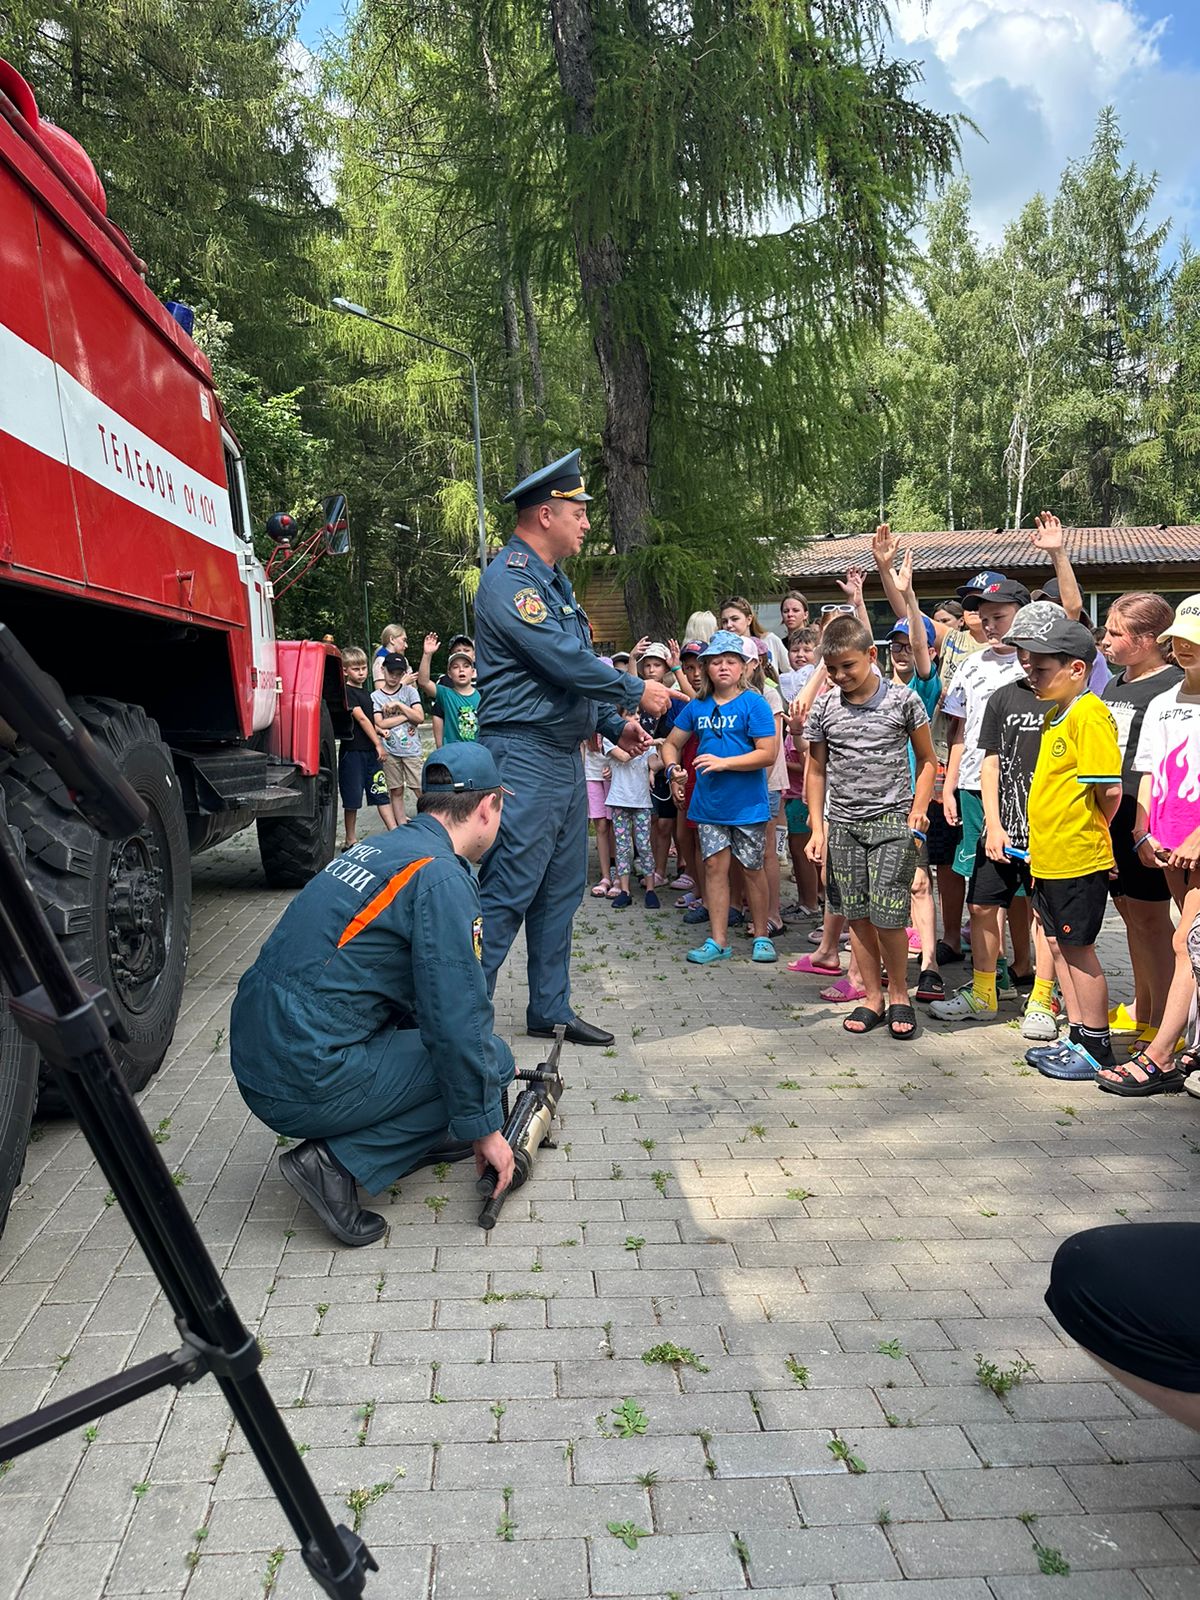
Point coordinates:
pixel 622 900
pixel 966 1006
pixel 1039 1022
pixel 652 900
pixel 710 951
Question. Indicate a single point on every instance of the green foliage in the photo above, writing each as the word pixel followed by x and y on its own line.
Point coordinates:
pixel 630 1419
pixel 673 1355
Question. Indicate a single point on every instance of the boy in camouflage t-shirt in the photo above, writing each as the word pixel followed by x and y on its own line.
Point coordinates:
pixel 858 737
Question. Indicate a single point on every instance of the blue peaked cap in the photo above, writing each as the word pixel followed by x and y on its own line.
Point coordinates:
pixel 561 480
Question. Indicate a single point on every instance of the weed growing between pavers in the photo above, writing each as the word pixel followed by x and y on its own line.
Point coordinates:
pixel 506 1527
pixel 674 1355
pixel 628 1532
pixel 1001 1379
pixel 841 1451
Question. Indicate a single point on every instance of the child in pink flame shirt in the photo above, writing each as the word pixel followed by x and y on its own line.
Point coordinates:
pixel 1167 828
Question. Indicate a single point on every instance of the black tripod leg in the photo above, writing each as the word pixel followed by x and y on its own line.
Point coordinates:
pixel 70 1027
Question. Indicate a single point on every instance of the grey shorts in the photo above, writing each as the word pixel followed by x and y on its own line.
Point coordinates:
pixel 869 869
pixel 747 842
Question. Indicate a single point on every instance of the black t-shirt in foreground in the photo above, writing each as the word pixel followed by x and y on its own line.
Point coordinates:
pixel 359 738
pixel 1012 729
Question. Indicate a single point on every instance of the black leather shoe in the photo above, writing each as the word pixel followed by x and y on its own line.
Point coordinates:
pixel 316 1177
pixel 578 1032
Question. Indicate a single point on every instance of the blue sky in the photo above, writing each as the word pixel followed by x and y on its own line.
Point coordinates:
pixel 1033 74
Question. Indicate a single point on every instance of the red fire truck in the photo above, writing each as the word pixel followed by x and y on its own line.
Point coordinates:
pixel 128 571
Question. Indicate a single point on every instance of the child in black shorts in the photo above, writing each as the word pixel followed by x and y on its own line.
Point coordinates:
pixel 1010 736
pixel 1075 792
pixel 360 764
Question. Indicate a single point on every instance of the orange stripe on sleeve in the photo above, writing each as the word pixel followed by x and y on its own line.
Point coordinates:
pixel 382 900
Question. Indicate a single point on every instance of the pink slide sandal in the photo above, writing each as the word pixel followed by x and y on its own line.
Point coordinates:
pixel 807 964
pixel 841 991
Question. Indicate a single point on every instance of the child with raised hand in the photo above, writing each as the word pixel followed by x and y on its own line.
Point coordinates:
pixel 1010 738
pixel 735 731
pixel 858 741
pixel 910 646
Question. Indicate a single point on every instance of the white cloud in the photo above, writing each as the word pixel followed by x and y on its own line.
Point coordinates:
pixel 1034 73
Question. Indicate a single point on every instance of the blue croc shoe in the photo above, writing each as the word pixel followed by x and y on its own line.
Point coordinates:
pixel 710 950
pixel 1067 1060
pixel 696 914
pixel 763 950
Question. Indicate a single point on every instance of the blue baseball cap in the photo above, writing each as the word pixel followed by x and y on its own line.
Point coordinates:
pixel 930 630
pixel 466 768
pixel 974 587
pixel 724 643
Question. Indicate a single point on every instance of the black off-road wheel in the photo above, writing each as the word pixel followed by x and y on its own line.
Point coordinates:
pixel 18 1088
pixel 121 909
pixel 295 849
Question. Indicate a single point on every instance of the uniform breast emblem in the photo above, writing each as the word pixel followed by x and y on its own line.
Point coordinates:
pixel 530 605
pixel 477 937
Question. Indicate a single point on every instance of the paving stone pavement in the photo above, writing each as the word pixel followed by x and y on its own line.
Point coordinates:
pixel 832 1227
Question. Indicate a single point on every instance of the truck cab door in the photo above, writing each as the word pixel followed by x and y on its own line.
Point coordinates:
pixel 261 665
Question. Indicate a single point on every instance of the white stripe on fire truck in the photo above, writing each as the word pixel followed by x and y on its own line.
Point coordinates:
pixel 48 409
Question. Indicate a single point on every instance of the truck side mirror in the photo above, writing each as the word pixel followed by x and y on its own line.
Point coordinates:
pixel 336 529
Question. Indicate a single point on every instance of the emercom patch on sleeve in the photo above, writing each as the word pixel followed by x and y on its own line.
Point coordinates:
pixel 530 605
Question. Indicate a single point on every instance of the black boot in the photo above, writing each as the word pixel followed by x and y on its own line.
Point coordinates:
pixel 578 1032
pixel 317 1178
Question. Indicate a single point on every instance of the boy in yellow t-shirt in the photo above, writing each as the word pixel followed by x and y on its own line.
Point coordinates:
pixel 1076 790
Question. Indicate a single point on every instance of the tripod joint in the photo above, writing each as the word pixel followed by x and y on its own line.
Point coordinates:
pixel 66 1040
pixel 197 1357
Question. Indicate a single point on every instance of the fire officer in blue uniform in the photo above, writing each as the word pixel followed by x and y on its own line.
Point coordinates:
pixel 543 689
pixel 365 1026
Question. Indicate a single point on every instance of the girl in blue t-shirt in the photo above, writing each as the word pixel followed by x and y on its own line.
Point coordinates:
pixel 736 734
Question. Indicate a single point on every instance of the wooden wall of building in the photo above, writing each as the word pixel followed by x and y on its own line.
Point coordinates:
pixel 604 602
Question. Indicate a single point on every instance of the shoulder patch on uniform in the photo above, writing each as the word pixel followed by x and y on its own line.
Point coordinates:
pixel 530 605
pixel 477 937
pixel 517 558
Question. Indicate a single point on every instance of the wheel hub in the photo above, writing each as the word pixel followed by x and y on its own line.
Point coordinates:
pixel 137 935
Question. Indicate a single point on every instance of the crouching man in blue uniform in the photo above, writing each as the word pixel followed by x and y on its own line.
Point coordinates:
pixel 365 1027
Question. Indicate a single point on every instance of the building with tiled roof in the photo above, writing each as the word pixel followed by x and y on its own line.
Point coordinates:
pixel 1107 561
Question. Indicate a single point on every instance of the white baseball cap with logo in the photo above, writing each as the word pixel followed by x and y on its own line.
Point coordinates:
pixel 1187 622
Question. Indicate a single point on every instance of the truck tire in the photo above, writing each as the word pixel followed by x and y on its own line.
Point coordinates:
pixel 121 909
pixel 295 849
pixel 18 1089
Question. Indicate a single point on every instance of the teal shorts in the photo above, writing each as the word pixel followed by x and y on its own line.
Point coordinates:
pixel 798 819
pixel 970 814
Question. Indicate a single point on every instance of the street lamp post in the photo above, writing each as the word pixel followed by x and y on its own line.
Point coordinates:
pixel 354 310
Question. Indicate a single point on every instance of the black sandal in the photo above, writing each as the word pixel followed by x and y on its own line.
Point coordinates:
pixel 1161 1080
pixel 931 985
pixel 903 1013
pixel 869 1019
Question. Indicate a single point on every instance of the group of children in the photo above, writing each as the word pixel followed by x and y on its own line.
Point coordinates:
pixel 984 754
pixel 382 757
